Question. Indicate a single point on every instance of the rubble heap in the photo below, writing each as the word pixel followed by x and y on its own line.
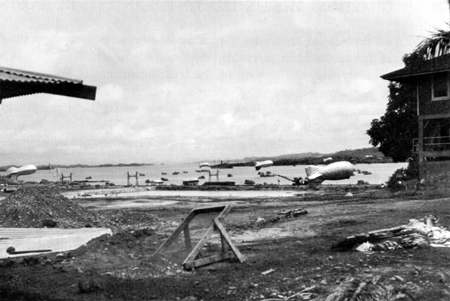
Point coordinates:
pixel 38 207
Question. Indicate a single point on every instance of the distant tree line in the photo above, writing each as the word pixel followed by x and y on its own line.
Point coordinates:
pixel 357 156
pixel 47 166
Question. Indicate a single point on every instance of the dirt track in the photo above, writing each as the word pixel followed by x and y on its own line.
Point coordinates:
pixel 296 250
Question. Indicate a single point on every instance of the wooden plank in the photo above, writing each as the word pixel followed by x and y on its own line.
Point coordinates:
pixel 187 238
pixel 175 234
pixel 71 90
pixel 223 243
pixel 436 154
pixel 224 212
pixel 434 116
pixel 208 260
pixel 227 238
pixel 199 245
pixel 217 209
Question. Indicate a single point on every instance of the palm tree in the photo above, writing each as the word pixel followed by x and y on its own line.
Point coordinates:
pixel 436 45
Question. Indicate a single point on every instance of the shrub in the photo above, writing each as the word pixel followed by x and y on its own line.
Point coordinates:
pixel 404 174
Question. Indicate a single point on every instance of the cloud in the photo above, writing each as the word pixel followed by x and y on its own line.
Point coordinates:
pixel 199 80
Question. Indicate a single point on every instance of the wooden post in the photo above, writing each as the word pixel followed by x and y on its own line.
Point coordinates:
pixel 130 176
pixel 66 177
pixel 187 237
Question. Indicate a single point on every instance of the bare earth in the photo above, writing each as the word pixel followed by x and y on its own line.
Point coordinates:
pixel 286 258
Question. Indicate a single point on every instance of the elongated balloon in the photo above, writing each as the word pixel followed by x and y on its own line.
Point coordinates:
pixel 262 164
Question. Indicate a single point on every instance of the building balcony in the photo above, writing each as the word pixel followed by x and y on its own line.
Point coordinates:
pixel 433 144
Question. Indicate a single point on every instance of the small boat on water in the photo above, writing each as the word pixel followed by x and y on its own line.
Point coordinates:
pixel 222 165
pixel 193 182
pixel 164 179
pixel 154 182
pixel 142 174
pixel 176 173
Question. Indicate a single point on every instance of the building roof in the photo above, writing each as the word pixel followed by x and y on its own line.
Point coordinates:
pixel 14 83
pixel 420 67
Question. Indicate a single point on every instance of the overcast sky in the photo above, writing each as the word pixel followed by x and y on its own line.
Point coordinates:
pixel 194 81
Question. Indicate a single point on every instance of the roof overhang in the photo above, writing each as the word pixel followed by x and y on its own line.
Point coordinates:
pixel 420 67
pixel 14 83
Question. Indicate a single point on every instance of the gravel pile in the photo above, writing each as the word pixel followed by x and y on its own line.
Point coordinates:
pixel 38 207
pixel 134 219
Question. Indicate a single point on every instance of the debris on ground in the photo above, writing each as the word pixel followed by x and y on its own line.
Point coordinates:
pixel 417 233
pixel 283 215
pixel 356 289
pixel 134 219
pixel 38 207
pixel 293 212
pixel 268 272
pixel 123 255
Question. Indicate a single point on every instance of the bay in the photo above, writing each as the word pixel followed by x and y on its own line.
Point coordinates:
pixel 379 174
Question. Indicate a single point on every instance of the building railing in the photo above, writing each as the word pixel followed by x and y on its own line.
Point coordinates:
pixel 433 144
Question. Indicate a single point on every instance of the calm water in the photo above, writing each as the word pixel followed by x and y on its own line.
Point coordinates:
pixel 118 175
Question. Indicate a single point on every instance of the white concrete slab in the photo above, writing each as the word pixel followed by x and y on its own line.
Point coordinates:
pixel 56 240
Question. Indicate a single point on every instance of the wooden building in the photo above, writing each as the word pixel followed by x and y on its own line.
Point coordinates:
pixel 431 77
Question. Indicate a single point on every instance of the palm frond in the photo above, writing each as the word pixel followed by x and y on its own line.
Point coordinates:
pixel 436 45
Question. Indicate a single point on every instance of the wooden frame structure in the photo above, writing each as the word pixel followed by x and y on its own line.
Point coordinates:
pixel 191 262
pixel 129 176
pixel 66 177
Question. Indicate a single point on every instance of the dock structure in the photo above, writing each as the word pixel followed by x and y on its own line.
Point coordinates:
pixel 66 177
pixel 129 176
pixel 214 175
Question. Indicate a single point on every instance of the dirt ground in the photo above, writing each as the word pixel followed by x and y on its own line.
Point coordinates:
pixel 287 258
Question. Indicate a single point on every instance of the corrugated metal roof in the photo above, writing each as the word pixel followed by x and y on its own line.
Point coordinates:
pixel 439 64
pixel 14 83
pixel 8 74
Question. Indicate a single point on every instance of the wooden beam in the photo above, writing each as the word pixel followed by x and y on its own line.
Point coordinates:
pixel 434 116
pixel 71 90
pixel 210 209
pixel 208 260
pixel 199 246
pixel 175 234
pixel 421 128
pixel 436 154
pixel 187 238
pixel 227 238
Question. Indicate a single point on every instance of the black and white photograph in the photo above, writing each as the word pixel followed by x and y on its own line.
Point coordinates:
pixel 225 150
